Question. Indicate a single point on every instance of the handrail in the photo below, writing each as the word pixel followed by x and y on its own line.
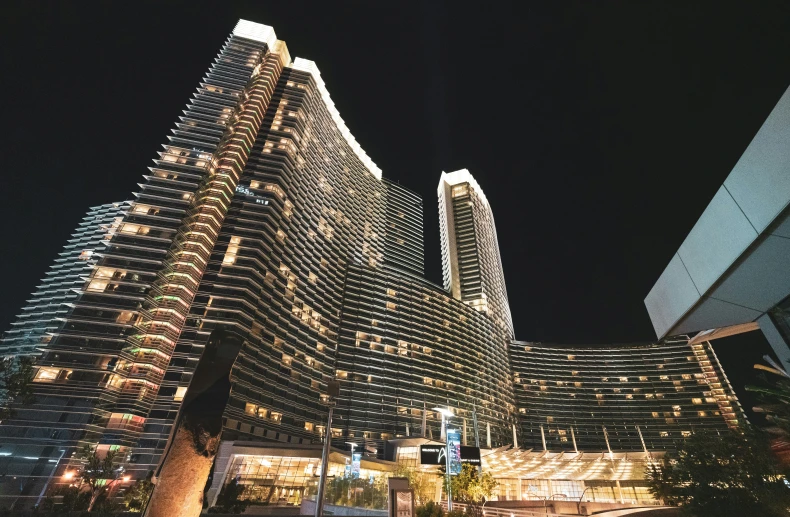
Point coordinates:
pixel 491 511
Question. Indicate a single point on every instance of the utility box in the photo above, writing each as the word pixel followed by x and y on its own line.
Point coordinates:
pixel 401 498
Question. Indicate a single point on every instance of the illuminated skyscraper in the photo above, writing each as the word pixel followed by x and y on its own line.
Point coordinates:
pixel 263 215
pixel 51 301
pixel 471 265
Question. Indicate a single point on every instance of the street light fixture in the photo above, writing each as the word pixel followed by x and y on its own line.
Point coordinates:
pixel 333 390
pixel 446 414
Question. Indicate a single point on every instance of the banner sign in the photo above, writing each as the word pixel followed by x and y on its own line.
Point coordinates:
pixel 356 458
pixel 454 442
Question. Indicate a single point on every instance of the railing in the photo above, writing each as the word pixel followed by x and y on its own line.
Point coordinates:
pixel 490 511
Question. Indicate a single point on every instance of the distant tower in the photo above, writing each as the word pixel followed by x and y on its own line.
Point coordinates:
pixel 52 299
pixel 471 266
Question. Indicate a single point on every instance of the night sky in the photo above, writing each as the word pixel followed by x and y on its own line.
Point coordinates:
pixel 599 131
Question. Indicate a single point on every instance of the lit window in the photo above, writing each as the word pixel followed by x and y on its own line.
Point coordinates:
pixel 313 278
pixel 309 426
pixel 571 357
pixel 696 401
pixel 97 285
pixel 124 317
pixel 664 377
pixel 232 251
pixel 125 421
pixel 701 413
pixel 574 373
pixel 623 379
pixel 655 414
pixel 685 434
pixel 663 434
pixel 391 306
pixel 180 392
pixel 51 374
pixel 549 419
pixel 392 292
pixel 643 378
pixel 577 384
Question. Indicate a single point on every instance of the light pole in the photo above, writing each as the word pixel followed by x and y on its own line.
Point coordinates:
pixel 446 414
pixel 333 390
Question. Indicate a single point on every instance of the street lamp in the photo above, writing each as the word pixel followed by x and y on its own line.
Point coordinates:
pixel 446 414
pixel 333 390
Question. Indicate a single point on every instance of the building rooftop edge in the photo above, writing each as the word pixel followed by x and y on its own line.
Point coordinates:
pixel 461 176
pixel 265 34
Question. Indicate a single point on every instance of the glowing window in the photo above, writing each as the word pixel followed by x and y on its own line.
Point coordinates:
pixel 180 392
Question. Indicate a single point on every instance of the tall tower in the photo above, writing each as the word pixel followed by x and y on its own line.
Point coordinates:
pixel 471 265
pixel 50 302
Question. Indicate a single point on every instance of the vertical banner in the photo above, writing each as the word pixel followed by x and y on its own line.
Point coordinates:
pixel 356 458
pixel 454 443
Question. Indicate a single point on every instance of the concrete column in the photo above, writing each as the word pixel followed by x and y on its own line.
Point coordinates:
pixel 775 339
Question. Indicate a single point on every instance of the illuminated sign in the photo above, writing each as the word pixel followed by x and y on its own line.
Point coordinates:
pixel 435 454
pixel 356 458
pixel 454 442
pixel 247 192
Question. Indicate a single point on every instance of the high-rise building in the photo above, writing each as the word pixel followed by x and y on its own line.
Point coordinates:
pixel 50 303
pixel 471 265
pixel 263 215
pixel 622 397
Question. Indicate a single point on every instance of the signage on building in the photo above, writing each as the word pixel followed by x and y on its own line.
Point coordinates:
pixel 470 455
pixel 434 455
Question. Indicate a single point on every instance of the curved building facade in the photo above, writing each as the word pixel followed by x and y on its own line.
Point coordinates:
pixel 407 347
pixel 262 215
pixel 619 398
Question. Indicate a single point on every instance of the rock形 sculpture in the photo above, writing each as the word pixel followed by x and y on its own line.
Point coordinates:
pixel 194 441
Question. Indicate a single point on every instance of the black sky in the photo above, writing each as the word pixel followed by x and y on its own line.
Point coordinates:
pixel 598 130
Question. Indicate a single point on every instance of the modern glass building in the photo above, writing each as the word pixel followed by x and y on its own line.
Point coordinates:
pixel 619 398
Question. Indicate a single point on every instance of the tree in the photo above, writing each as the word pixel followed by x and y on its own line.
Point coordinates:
pixel 98 474
pixel 16 378
pixel 430 509
pixel 728 474
pixel 419 482
pixel 136 498
pixel 472 488
pixel 228 499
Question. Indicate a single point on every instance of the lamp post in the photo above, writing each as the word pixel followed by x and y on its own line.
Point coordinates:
pixel 446 414
pixel 333 390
